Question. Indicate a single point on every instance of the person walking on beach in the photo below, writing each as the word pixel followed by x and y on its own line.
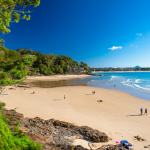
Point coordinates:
pixel 141 111
pixel 145 111
pixel 64 97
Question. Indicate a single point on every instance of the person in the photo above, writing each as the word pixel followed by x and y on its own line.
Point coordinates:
pixel 33 92
pixel 94 92
pixel 141 111
pixel 64 97
pixel 114 85
pixel 145 111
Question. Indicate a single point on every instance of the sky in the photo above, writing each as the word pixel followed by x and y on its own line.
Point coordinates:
pixel 101 33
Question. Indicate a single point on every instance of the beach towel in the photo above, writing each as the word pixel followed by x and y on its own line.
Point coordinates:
pixel 126 143
pixel 118 142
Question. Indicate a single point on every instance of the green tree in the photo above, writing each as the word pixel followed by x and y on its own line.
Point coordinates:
pixel 10 13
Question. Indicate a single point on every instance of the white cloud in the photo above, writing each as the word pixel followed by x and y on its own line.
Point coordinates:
pixel 139 34
pixel 131 45
pixel 136 46
pixel 114 47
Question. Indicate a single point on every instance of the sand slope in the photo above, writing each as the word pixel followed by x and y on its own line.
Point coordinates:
pixel 117 116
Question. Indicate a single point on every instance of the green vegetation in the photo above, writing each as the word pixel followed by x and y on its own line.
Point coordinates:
pixel 9 12
pixel 15 65
pixel 14 140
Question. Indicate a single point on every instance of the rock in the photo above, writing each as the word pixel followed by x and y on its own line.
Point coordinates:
pixel 146 147
pixel 92 135
pixel 138 138
pixel 53 132
pixel 23 129
pixel 63 124
pixel 41 139
pixel 18 115
pixel 111 147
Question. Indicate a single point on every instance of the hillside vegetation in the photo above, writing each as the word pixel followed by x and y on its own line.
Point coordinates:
pixel 15 65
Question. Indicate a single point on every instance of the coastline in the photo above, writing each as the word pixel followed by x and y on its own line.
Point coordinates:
pixel 117 116
pixel 116 71
pixel 55 77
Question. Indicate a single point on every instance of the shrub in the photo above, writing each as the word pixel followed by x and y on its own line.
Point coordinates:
pixel 14 140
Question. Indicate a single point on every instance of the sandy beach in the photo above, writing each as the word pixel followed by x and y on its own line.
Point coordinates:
pixel 118 115
pixel 54 77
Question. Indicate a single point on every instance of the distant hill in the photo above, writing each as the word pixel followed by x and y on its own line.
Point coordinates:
pixel 137 67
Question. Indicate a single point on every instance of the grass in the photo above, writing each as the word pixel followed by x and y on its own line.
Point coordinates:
pixel 14 140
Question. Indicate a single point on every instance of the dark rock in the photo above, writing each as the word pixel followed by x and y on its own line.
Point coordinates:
pixel 99 101
pixel 63 124
pixel 138 138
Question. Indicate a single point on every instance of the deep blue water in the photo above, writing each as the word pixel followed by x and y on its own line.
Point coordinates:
pixel 135 83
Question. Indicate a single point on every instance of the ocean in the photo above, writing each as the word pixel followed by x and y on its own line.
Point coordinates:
pixel 135 83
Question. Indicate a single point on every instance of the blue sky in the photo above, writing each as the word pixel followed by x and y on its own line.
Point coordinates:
pixel 86 29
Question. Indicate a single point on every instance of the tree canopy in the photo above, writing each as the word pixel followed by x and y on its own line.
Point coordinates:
pixel 13 11
pixel 15 65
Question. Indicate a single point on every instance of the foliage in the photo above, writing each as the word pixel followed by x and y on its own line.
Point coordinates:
pixel 9 12
pixel 15 65
pixel 14 140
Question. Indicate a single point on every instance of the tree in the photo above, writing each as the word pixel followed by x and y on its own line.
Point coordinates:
pixel 82 64
pixel 2 42
pixel 9 12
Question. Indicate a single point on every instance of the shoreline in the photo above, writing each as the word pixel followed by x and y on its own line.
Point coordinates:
pixel 117 116
pixel 116 71
pixel 54 77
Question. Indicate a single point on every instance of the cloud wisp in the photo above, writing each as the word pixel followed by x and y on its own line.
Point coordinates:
pixel 133 45
pixel 114 48
pixel 139 34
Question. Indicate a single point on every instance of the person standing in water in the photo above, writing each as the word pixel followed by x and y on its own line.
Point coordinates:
pixel 141 111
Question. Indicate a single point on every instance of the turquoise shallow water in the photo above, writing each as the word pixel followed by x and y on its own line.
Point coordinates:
pixel 135 83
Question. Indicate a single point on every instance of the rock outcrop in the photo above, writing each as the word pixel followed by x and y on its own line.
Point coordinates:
pixel 55 134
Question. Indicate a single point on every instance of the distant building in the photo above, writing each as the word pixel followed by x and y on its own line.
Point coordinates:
pixel 31 55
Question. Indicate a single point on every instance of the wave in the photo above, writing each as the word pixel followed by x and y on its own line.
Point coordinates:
pixel 134 83
pixel 137 81
pixel 138 86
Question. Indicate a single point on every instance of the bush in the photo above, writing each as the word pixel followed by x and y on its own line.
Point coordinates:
pixel 14 140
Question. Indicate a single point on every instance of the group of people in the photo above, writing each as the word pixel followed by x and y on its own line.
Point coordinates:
pixel 93 92
pixel 142 111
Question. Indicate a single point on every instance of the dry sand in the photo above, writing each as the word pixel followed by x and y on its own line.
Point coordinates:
pixel 118 115
pixel 55 77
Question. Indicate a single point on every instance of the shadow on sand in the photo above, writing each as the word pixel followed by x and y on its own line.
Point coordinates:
pixel 57 99
pixel 133 115
pixel 89 94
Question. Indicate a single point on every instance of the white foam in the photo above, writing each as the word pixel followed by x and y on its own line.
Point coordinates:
pixel 128 83
pixel 137 81
pixel 138 86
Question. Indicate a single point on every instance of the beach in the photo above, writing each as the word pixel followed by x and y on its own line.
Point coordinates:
pixel 54 77
pixel 118 115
